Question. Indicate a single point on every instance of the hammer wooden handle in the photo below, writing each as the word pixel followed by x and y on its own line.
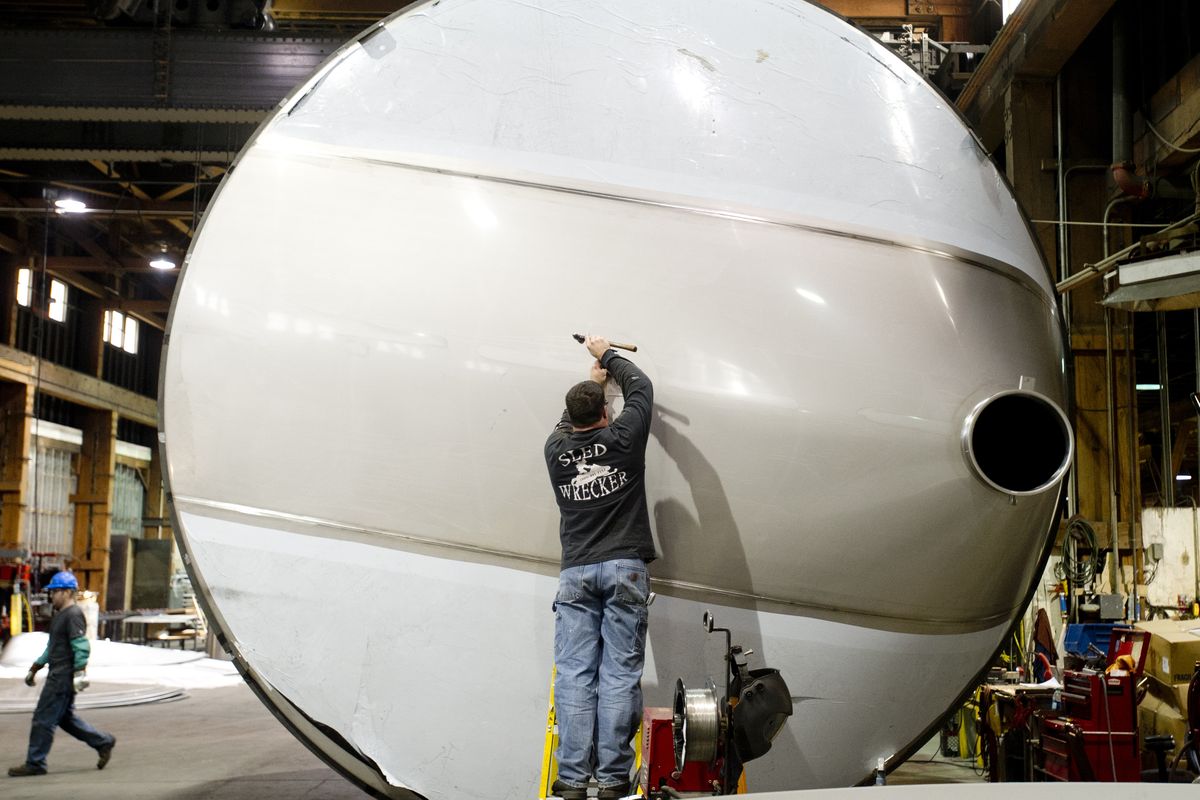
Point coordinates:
pixel 619 345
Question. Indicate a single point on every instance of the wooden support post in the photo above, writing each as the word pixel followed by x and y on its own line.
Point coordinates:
pixel 16 423
pixel 1087 139
pixel 97 465
pixel 1091 426
pixel 91 335
pixel 9 265
pixel 1029 141
pixel 155 515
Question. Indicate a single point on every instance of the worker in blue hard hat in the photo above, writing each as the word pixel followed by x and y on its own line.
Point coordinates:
pixel 67 656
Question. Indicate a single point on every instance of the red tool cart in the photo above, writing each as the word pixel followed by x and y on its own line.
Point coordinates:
pixel 1094 736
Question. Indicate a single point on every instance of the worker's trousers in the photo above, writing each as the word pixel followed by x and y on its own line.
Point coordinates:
pixel 599 649
pixel 56 709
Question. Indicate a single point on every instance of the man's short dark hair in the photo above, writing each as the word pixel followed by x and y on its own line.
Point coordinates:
pixel 585 403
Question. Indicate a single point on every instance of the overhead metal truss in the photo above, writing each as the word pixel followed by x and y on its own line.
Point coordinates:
pixel 120 95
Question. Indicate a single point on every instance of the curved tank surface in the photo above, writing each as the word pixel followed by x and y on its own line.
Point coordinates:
pixel 858 445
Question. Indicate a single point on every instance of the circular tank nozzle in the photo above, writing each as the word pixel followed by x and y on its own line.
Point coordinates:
pixel 1018 442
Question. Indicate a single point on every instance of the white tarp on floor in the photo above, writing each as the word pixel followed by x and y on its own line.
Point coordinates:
pixel 117 663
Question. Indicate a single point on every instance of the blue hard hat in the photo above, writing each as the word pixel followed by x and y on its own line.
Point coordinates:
pixel 63 580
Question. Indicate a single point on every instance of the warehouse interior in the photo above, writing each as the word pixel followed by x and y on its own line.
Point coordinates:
pixel 119 120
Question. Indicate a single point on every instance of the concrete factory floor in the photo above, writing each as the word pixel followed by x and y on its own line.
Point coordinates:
pixel 216 743
pixel 223 743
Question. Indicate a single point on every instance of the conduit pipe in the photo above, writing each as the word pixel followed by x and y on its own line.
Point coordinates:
pixel 1129 182
pixel 1126 181
pixel 1131 428
pixel 1122 119
pixel 1091 272
pixel 1195 526
pixel 1164 410
pixel 1110 400
pixel 1115 578
pixel 1064 262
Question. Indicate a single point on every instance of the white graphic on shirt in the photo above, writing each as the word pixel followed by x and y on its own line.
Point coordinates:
pixel 589 472
pixel 592 481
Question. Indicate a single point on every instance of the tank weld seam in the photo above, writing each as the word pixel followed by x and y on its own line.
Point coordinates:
pixel 947 252
pixel 660 583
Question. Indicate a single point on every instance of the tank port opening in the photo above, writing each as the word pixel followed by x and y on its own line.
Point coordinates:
pixel 1018 442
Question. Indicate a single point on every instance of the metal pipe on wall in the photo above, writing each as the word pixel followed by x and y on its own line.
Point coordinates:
pixel 1122 147
pixel 1110 400
pixel 1196 548
pixel 1064 260
pixel 1135 516
pixel 1195 527
pixel 1114 577
pixel 1122 117
pixel 1164 410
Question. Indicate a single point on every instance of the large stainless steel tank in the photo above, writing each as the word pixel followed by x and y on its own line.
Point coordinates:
pixel 859 444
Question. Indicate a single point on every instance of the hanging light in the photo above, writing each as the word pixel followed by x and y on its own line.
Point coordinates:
pixel 69 205
pixel 162 261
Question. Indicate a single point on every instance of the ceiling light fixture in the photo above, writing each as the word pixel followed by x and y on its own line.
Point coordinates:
pixel 163 259
pixel 69 205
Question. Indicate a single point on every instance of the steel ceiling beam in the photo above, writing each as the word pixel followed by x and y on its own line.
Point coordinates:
pixel 220 156
pixel 94 113
pixel 105 67
pixel 93 264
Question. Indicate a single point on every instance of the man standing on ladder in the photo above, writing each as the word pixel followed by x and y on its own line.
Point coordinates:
pixel 597 471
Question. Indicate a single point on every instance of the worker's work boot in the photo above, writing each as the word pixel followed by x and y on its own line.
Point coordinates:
pixel 613 792
pixel 22 770
pixel 567 792
pixel 105 753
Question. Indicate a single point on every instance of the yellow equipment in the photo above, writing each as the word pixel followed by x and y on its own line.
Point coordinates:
pixel 550 764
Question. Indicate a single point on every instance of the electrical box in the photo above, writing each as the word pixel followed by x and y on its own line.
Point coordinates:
pixel 1112 606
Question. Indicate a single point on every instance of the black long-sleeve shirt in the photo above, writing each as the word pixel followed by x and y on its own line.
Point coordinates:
pixel 598 476
pixel 68 648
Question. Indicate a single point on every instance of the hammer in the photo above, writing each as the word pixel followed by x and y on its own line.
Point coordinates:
pixel 619 345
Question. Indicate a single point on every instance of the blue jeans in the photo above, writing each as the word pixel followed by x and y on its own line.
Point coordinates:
pixel 56 708
pixel 599 649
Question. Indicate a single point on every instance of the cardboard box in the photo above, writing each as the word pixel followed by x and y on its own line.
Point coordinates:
pixel 1157 715
pixel 1174 649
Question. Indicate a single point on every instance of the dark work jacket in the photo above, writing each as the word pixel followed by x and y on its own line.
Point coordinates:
pixel 65 626
pixel 598 477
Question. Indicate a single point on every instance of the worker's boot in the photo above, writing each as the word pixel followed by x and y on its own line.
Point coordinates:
pixel 21 770
pixel 566 792
pixel 105 753
pixel 613 792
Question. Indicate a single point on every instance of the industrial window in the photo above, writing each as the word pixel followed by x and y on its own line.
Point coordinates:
pixel 58 301
pixel 131 335
pixel 57 309
pixel 50 514
pixel 128 497
pixel 121 331
pixel 24 286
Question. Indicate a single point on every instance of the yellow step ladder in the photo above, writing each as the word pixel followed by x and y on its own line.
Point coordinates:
pixel 550 763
